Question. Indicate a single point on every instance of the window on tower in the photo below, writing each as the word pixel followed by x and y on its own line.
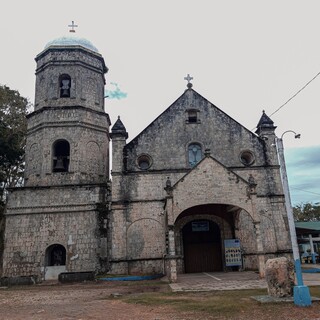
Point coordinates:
pixel 61 156
pixel 65 86
pixel 194 154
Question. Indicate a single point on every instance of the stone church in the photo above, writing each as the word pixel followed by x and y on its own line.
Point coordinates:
pixel 195 191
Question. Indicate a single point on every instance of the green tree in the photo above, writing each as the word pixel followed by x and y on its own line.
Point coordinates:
pixel 13 127
pixel 306 212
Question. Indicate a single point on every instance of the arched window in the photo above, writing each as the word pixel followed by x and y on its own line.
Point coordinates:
pixel 65 86
pixel 194 154
pixel 56 255
pixel 61 156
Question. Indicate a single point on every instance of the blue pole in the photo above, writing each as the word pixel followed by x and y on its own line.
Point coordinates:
pixel 301 294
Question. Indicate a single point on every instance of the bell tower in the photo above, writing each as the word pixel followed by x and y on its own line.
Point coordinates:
pixel 59 214
pixel 68 132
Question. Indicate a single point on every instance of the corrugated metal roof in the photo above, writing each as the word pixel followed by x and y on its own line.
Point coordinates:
pixel 311 225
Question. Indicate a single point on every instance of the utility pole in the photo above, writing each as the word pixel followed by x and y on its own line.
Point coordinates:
pixel 301 294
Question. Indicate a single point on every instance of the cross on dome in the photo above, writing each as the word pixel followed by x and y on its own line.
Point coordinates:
pixel 72 26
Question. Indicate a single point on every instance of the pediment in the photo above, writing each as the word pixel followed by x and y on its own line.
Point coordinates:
pixel 210 182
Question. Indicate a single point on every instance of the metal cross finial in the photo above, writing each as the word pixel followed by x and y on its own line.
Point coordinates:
pixel 72 26
pixel 188 78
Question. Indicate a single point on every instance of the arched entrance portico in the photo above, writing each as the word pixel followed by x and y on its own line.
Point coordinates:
pixel 199 235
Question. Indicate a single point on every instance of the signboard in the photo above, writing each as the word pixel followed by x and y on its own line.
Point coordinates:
pixel 232 252
pixel 198 226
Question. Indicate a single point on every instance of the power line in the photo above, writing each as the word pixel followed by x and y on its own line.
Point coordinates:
pixel 318 194
pixel 295 94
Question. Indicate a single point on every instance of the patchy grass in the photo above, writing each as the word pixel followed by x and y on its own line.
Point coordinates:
pixel 226 304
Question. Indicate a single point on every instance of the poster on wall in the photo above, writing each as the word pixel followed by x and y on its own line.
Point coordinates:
pixel 232 252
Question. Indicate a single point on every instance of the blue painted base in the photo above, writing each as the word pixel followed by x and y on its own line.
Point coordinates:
pixel 133 278
pixel 301 296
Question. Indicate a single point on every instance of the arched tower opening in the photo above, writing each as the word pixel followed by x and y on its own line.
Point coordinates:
pixel 65 86
pixel 61 156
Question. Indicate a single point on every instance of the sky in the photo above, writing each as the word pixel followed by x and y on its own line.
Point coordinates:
pixel 244 56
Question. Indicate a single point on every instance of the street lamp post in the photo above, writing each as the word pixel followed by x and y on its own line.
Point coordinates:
pixel 301 294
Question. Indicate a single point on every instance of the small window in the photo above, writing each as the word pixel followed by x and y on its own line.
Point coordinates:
pixel 65 86
pixel 247 157
pixel 144 162
pixel 192 116
pixel 194 154
pixel 61 156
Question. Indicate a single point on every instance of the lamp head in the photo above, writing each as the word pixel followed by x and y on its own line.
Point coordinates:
pixel 297 136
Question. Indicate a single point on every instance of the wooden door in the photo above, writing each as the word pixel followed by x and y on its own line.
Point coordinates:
pixel 202 246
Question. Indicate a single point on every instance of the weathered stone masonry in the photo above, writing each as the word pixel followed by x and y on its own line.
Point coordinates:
pixel 55 223
pixel 190 180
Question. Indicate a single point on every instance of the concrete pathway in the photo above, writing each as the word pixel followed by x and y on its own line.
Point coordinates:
pixel 241 280
pixel 212 281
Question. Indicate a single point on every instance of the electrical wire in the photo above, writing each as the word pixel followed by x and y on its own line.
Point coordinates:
pixel 295 94
pixel 318 194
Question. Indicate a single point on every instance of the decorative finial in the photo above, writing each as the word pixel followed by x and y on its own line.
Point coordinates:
pixel 207 152
pixel 72 26
pixel 168 187
pixel 188 78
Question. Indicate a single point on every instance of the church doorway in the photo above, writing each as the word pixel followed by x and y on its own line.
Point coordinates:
pixel 55 261
pixel 202 246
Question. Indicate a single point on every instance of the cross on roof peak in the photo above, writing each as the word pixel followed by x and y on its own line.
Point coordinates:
pixel 188 78
pixel 72 26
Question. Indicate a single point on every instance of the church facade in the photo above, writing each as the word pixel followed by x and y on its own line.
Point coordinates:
pixel 195 191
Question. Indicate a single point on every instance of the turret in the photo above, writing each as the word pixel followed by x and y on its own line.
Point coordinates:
pixel 118 136
pixel 266 131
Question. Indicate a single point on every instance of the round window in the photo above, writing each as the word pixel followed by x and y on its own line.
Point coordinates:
pixel 144 162
pixel 247 157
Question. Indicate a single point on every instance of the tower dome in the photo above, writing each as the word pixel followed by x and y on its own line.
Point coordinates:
pixel 71 41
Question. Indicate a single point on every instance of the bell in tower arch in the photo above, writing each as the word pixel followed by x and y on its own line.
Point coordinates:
pixel 61 156
pixel 59 166
pixel 65 85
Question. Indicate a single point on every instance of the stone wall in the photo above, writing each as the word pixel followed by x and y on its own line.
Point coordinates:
pixel 39 217
pixel 87 134
pixel 260 223
pixel 86 70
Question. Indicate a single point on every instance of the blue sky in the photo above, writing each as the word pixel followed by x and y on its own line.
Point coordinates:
pixel 303 169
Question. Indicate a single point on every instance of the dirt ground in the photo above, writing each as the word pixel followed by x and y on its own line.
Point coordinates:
pixel 100 300
pixel 105 300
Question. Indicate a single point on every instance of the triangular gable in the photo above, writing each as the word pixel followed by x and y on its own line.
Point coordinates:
pixel 199 96
pixel 210 182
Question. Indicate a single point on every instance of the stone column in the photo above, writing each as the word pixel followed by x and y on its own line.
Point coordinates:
pixel 171 257
pixel 252 194
pixel 260 252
